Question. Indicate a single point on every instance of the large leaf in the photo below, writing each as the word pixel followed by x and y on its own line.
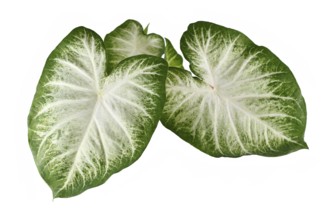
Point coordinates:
pixel 242 100
pixel 84 125
pixel 129 39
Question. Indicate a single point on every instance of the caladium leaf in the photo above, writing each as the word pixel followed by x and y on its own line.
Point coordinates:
pixel 171 56
pixel 240 100
pixel 85 126
pixel 130 39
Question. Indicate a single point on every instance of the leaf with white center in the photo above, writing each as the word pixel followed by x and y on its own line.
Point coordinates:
pixel 130 39
pixel 242 100
pixel 84 125
pixel 171 56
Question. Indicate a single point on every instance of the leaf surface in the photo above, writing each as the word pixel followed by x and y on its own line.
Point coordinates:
pixel 240 99
pixel 84 125
pixel 171 56
pixel 130 39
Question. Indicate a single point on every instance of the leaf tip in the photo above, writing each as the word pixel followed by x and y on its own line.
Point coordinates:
pixel 55 196
pixel 305 146
pixel 145 30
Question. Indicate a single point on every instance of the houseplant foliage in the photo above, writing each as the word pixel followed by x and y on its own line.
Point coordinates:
pixel 95 109
pixel 238 99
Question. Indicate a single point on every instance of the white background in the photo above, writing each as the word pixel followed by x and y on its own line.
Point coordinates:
pixel 172 180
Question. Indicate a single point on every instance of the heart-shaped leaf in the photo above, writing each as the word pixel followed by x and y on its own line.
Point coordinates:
pixel 130 39
pixel 242 100
pixel 85 126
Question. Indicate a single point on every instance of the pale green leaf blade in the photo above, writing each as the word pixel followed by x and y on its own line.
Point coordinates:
pixel 243 101
pixel 171 56
pixel 129 39
pixel 84 126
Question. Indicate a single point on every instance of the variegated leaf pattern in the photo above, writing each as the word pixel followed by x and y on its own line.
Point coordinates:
pixel 85 126
pixel 130 39
pixel 240 99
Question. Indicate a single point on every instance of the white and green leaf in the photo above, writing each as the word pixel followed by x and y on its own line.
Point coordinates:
pixel 242 100
pixel 130 39
pixel 84 125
